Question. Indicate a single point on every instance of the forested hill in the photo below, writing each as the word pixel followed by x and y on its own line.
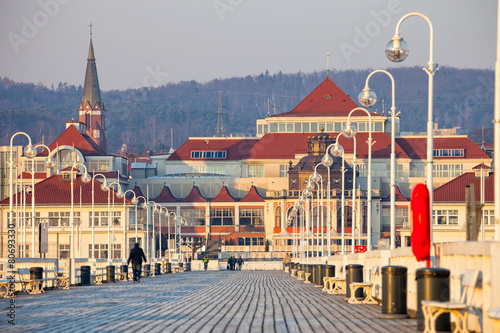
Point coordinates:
pixel 142 118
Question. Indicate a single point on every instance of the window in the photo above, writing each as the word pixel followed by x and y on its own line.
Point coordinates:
pixel 448 153
pixel 97 166
pixel 100 251
pixel 213 169
pixel 448 170
pixel 314 127
pixel 283 170
pixel 489 217
pixel 273 127
pixel 215 154
pixel 445 217
pixel 255 171
pixel 222 216
pixel 251 216
pixel 194 216
pixel 329 127
pixel 289 127
pixel 62 219
pixel 265 128
pixel 298 127
pixel 401 216
pixel 259 129
pixel 305 127
pixel 338 127
pixel 101 218
pixel 64 251
pixel 386 216
pixel 378 127
pixel 39 166
pixel 277 217
pixel 281 127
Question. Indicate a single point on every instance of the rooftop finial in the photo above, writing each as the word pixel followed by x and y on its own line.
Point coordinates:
pixel 327 64
pixel 90 25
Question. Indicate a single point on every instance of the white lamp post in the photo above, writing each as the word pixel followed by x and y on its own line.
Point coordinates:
pixel 397 51
pixel 111 218
pixel 338 150
pixel 85 179
pixel 49 163
pixel 496 125
pixel 350 131
pixel 145 205
pixel 104 187
pixel 316 178
pixel 30 152
pixel 368 98
pixel 327 161
pixel 134 201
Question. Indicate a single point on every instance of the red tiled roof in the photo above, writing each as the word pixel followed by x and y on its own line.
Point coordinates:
pixel 326 100
pixel 236 148
pixel 481 166
pixel 73 137
pixel 194 196
pixel 253 196
pixel 27 175
pixel 54 190
pixel 399 196
pixel 454 190
pixel 137 191
pixel 416 148
pixel 165 196
pixel 223 196
pixel 286 145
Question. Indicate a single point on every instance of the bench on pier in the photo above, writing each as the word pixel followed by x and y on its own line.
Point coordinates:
pixel 98 275
pixel 337 284
pixel 306 277
pixel 32 286
pixel 7 288
pixel 433 309
pixel 367 286
pixel 61 282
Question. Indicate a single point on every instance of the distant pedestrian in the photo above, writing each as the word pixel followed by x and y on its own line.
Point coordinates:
pixel 230 263
pixel 233 263
pixel 136 256
pixel 240 263
pixel 205 262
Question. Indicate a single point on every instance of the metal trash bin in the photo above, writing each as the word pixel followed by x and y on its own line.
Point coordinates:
pixel 124 271
pixel 330 271
pixel 85 275
pixel 188 266
pixel 147 269
pixel 158 269
pixel 36 273
pixel 110 273
pixel 319 276
pixel 394 291
pixel 353 273
pixel 169 267
pixel 433 284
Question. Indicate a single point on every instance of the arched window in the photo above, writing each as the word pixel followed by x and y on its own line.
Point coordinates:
pixel 348 217
pixel 298 217
pixel 277 217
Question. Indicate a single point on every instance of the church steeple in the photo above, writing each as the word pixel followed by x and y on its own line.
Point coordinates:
pixel 91 111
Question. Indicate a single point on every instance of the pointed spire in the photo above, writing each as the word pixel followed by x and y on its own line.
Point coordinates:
pixel 91 91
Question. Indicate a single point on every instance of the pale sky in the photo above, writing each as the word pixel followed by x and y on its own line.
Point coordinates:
pixel 151 43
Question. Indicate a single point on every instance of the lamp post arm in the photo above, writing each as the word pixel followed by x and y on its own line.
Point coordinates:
pixel 431 32
pixel 392 84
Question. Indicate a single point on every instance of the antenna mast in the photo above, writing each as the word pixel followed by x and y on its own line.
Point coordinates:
pixel 327 64
pixel 220 127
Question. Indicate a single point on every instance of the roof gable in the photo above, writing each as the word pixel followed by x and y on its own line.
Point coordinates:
pixel 74 138
pixel 165 196
pixel 327 99
pixel 399 196
pixel 253 196
pixel 194 196
pixel 223 196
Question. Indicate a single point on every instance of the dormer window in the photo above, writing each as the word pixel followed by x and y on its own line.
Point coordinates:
pixel 327 97
pixel 210 154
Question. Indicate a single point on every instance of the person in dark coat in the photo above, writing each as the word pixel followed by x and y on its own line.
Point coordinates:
pixel 136 256
pixel 230 263
pixel 233 262
pixel 240 263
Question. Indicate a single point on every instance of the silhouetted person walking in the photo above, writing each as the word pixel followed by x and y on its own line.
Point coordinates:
pixel 136 256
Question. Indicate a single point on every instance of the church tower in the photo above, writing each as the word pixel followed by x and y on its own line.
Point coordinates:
pixel 91 111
